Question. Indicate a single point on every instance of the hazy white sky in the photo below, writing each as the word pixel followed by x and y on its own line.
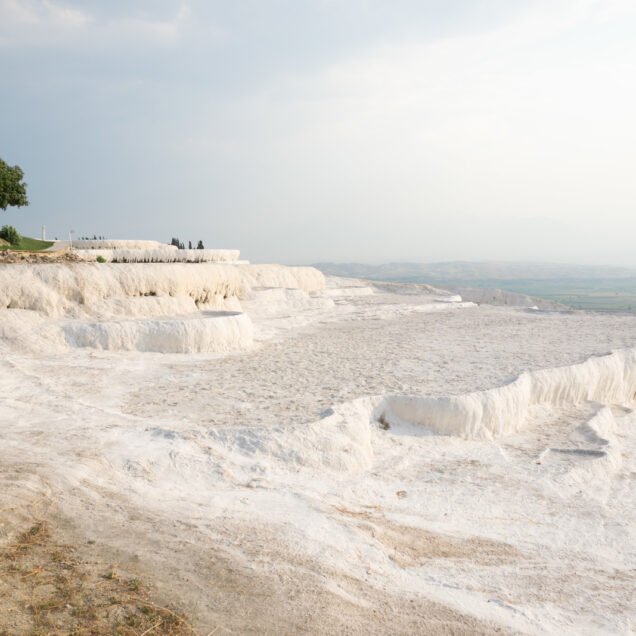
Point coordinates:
pixel 347 130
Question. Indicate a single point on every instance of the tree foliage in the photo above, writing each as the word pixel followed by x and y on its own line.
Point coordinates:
pixel 10 234
pixel 12 186
pixel 177 243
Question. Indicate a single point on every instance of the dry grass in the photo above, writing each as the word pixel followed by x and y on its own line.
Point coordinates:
pixel 24 257
pixel 47 589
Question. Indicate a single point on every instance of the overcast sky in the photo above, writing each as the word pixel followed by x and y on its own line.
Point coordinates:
pixel 345 130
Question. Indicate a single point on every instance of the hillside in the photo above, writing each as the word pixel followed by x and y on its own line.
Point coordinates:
pixel 26 244
pixel 473 271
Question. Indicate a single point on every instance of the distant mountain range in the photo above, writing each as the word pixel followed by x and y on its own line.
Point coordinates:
pixel 473 271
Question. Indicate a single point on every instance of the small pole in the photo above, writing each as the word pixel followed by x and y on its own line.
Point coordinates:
pixel 70 236
pixel 44 233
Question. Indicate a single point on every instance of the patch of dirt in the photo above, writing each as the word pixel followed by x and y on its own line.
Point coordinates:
pixel 51 588
pixel 409 546
pixel 265 585
pixel 228 577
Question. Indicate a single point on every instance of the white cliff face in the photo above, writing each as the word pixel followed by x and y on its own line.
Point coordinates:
pixel 57 289
pixel 62 289
pixel 220 332
pixel 161 307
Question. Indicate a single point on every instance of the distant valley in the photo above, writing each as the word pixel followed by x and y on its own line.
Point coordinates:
pixel 600 288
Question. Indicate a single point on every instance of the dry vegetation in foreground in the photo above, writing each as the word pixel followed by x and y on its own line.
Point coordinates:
pixel 47 589
pixel 11 257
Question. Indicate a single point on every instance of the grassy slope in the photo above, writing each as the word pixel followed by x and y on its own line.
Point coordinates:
pixel 27 245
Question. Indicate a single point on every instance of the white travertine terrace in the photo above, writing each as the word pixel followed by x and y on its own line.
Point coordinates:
pixel 162 307
pixel 164 254
pixel 504 410
pixel 108 244
pixel 350 447
pixel 308 279
pixel 59 289
pixel 220 333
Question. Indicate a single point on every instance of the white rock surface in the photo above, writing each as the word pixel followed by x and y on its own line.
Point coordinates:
pixel 218 332
pixel 609 379
pixel 163 254
pixel 118 244
pixel 369 465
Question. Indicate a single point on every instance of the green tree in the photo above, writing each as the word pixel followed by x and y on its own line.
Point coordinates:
pixel 10 234
pixel 12 186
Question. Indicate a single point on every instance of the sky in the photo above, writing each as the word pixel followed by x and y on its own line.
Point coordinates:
pixel 328 130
